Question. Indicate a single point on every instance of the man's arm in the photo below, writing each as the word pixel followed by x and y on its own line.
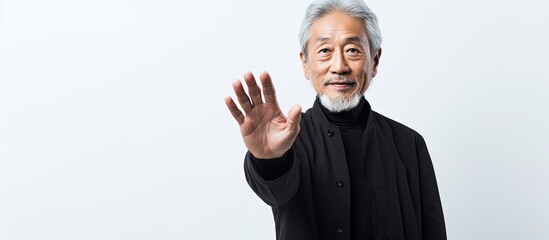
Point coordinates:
pixel 271 169
pixel 432 217
pixel 270 165
pixel 275 185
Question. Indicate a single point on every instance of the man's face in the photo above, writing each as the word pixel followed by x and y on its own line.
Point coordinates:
pixel 338 61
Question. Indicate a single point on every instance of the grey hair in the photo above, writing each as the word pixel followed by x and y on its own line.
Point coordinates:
pixel 354 8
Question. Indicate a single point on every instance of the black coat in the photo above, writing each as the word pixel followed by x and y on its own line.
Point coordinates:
pixel 310 202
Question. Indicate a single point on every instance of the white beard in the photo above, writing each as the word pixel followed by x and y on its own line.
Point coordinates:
pixel 340 104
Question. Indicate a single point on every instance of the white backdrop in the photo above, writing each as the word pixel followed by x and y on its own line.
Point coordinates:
pixel 113 126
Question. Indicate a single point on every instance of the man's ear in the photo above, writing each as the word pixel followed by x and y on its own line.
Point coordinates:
pixel 376 62
pixel 304 65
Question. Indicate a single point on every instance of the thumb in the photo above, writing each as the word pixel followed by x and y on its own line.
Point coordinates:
pixel 294 115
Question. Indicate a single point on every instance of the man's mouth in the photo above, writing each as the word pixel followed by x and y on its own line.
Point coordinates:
pixel 340 83
pixel 340 80
pixel 341 86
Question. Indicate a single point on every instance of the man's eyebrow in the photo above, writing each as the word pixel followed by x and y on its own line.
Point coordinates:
pixel 353 39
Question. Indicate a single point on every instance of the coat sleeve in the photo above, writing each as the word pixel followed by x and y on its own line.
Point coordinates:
pixel 276 192
pixel 433 226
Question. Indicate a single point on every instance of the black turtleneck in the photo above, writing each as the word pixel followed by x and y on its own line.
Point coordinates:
pixel 352 124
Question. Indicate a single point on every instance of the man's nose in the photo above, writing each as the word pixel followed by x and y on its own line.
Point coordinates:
pixel 339 64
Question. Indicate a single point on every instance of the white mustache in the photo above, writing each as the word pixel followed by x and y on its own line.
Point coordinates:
pixel 344 80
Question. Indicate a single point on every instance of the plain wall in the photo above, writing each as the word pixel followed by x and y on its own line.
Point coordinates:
pixel 113 125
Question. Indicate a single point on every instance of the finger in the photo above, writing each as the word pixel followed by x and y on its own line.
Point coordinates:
pixel 242 97
pixel 237 114
pixel 253 88
pixel 294 115
pixel 268 88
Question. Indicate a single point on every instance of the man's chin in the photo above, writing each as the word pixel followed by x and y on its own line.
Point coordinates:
pixel 340 103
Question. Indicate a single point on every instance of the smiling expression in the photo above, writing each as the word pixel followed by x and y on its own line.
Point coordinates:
pixel 338 62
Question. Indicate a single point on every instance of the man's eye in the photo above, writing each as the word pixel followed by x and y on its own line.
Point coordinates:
pixel 353 51
pixel 324 51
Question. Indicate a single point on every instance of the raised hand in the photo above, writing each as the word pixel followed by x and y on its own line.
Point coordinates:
pixel 266 132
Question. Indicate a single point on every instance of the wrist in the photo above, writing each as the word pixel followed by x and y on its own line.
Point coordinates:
pixel 267 156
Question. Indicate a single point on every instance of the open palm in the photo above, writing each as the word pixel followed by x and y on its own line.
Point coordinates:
pixel 266 131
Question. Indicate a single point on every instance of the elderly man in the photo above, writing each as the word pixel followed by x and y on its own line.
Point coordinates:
pixel 339 170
